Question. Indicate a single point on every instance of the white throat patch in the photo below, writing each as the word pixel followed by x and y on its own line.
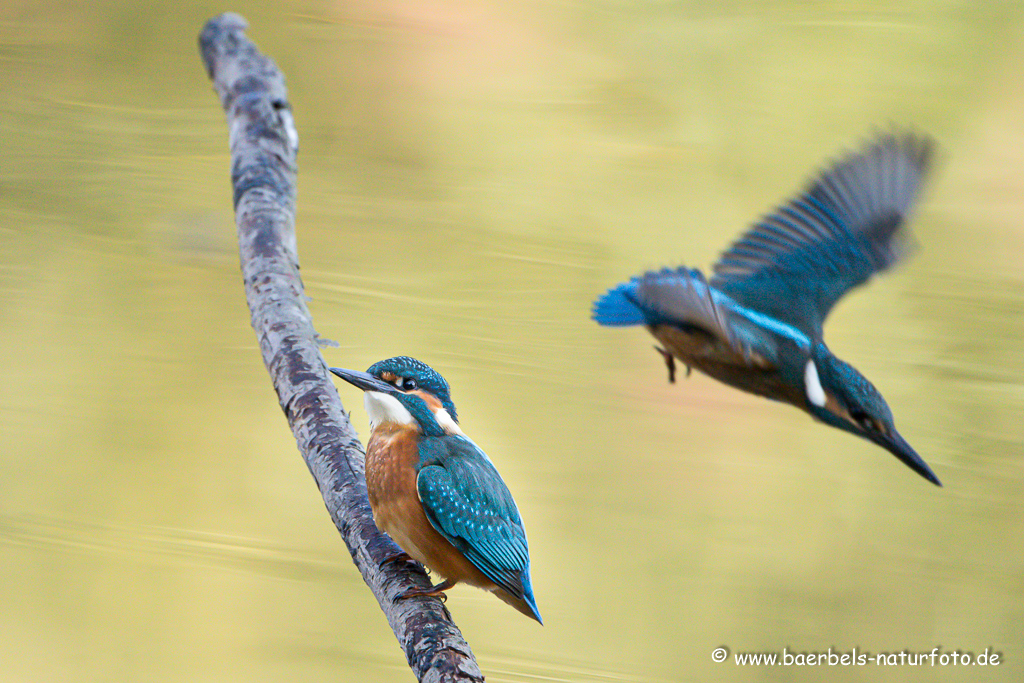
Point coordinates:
pixel 384 408
pixel 815 392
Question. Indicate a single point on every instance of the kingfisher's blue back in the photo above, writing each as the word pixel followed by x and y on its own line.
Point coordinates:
pixel 467 501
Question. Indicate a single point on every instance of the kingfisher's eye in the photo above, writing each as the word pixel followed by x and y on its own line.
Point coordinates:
pixel 866 422
pixel 408 384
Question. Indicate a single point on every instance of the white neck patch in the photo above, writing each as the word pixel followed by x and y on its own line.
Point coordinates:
pixel 449 425
pixel 815 392
pixel 384 408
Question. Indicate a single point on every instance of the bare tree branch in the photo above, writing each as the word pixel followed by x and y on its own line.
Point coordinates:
pixel 263 149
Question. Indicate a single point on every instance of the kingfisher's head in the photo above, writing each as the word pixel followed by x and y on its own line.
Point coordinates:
pixel 842 397
pixel 404 390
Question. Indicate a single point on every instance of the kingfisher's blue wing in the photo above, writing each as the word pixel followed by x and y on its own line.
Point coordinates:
pixel 849 224
pixel 467 502
pixel 681 297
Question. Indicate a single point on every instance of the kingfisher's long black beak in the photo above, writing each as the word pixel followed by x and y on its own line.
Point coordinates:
pixel 364 381
pixel 895 444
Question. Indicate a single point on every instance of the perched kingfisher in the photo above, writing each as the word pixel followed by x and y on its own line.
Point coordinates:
pixel 434 491
pixel 756 323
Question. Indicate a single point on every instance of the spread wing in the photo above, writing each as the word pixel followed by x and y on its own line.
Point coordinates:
pixel 847 225
pixel 468 503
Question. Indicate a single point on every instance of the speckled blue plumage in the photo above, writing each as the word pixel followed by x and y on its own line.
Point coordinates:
pixel 469 504
pixel 426 377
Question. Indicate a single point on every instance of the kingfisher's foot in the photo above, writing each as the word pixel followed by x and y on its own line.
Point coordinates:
pixel 432 592
pixel 401 558
pixel 670 362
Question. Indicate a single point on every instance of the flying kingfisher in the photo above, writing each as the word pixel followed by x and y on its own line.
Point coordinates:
pixel 434 491
pixel 756 323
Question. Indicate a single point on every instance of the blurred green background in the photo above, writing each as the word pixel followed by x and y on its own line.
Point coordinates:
pixel 472 175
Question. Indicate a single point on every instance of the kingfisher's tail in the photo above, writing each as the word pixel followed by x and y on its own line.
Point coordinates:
pixel 526 604
pixel 617 307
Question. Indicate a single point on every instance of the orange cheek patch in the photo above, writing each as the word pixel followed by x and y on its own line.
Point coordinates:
pixel 432 402
pixel 437 408
pixel 832 406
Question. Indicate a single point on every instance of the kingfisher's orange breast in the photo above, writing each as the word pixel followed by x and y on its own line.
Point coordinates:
pixel 716 358
pixel 392 457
